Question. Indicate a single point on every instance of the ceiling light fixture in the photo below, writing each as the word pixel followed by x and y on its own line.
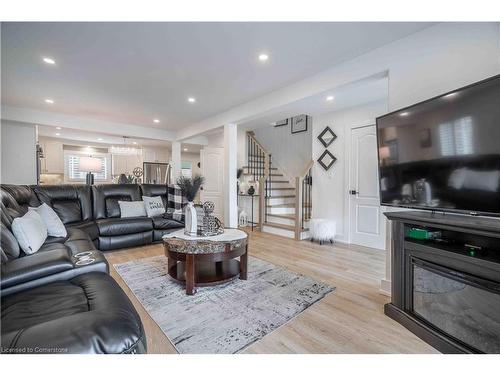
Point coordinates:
pixel 404 114
pixel 134 143
pixel 48 60
pixel 156 121
pixel 185 149
pixel 49 101
pixel 191 100
pixel 58 128
pixel 329 98
pixel 99 139
pixel 58 134
pixel 263 57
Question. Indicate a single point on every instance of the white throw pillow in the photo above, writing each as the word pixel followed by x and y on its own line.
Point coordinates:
pixel 132 209
pixel 55 226
pixel 154 206
pixel 30 231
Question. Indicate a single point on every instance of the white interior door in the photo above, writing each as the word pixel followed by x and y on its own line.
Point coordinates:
pixel 367 224
pixel 212 168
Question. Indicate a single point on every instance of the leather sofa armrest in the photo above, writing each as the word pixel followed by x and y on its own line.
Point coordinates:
pixel 35 266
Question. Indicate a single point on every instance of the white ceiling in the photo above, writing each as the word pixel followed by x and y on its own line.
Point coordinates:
pixel 354 94
pixel 134 72
pixel 85 138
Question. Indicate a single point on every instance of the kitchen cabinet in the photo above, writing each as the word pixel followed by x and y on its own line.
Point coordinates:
pixel 125 164
pixel 156 155
pixel 53 161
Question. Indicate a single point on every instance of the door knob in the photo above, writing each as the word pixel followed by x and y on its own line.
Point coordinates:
pixel 353 192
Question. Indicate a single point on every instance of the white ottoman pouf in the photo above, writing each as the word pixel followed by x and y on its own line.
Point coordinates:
pixel 322 230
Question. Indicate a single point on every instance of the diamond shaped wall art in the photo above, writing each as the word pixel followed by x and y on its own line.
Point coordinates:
pixel 326 160
pixel 327 136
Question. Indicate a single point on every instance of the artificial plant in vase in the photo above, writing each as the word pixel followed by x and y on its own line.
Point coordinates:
pixel 239 173
pixel 190 187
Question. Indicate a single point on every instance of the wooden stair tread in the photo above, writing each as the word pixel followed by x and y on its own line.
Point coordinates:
pixel 271 174
pixel 283 216
pixel 281 205
pixel 258 167
pixel 283 226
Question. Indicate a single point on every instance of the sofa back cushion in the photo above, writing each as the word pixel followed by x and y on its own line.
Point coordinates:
pixel 72 203
pixel 15 202
pixel 9 247
pixel 106 198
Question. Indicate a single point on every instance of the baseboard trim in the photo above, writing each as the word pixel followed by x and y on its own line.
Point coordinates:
pixel 433 337
pixel 385 287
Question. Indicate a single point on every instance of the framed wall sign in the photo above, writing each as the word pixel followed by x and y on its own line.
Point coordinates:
pixel 281 123
pixel 299 124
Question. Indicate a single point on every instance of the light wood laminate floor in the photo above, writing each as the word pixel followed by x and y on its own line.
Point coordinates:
pixel 349 320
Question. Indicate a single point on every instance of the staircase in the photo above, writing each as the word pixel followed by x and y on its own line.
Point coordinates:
pixel 284 202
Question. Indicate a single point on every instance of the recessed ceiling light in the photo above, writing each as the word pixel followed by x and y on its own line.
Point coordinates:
pixel 191 100
pixel 48 60
pixel 58 128
pixel 49 101
pixel 134 143
pixel 156 121
pixel 451 95
pixel 58 134
pixel 99 139
pixel 263 57
pixel 404 114
pixel 185 149
pixel 329 98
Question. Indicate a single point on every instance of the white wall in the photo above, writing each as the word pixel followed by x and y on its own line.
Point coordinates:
pixel 215 139
pixel 330 188
pixel 18 141
pixel 290 152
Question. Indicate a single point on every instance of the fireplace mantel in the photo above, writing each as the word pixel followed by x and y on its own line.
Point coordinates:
pixel 466 255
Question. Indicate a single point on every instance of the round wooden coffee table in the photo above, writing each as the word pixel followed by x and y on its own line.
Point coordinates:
pixel 206 261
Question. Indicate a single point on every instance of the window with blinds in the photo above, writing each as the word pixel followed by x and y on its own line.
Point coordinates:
pixel 456 137
pixel 74 172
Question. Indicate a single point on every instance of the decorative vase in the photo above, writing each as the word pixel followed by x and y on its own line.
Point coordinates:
pixel 191 220
pixel 243 187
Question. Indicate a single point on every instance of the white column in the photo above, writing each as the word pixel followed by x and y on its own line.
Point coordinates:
pixel 230 169
pixel 176 161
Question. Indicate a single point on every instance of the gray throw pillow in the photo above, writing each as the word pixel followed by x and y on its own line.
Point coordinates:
pixel 132 209
pixel 154 206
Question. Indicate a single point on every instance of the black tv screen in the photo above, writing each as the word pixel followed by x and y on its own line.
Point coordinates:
pixel 444 153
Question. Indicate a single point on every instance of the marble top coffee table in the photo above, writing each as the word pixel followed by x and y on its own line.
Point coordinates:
pixel 205 261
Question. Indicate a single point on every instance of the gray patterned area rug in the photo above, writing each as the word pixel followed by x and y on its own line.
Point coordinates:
pixel 225 318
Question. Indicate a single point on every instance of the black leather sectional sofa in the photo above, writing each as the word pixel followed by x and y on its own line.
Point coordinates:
pixel 52 301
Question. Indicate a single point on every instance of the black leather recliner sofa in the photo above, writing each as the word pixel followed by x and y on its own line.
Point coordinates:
pixel 73 205
pixel 50 302
pixel 96 211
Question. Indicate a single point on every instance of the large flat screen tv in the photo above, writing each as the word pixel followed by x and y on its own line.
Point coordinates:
pixel 444 154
